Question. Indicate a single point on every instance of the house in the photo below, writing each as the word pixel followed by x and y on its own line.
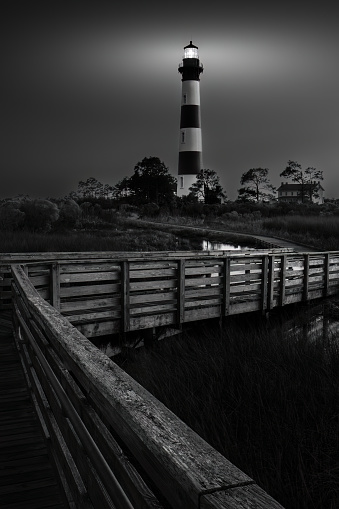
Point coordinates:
pixel 297 193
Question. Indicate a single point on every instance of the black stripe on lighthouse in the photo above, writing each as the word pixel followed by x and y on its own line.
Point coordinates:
pixel 190 162
pixel 190 115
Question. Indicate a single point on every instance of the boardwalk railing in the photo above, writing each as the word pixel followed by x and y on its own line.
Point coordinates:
pixel 112 295
pixel 113 443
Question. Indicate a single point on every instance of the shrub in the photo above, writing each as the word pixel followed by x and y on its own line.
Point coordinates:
pixel 69 214
pixel 39 214
pixel 11 218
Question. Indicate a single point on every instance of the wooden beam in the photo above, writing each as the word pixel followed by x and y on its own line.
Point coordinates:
pixel 125 296
pixel 326 273
pixel 306 276
pixel 55 285
pixel 282 284
pixel 264 281
pixel 271 266
pixel 181 291
pixel 226 286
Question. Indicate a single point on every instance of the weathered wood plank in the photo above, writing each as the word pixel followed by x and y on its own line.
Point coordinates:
pixel 240 288
pixel 151 273
pixel 306 276
pixel 89 277
pixel 192 315
pixel 55 285
pixel 181 292
pixel 211 291
pixel 94 303
pixel 156 308
pixel 157 320
pixel 74 291
pixel 245 496
pixel 93 317
pixel 40 280
pixel 159 296
pixel 93 267
pixel 246 277
pixel 152 285
pixel 125 295
pixel 204 302
pixel 215 269
pixel 203 281
pixel 95 329
pixel 326 273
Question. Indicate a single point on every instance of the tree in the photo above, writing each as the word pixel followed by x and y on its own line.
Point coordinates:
pixel 92 188
pixel 150 183
pixel 257 186
pixel 306 179
pixel 207 188
pixel 122 189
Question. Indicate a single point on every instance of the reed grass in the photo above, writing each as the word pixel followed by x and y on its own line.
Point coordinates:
pixel 128 240
pixel 269 403
pixel 321 232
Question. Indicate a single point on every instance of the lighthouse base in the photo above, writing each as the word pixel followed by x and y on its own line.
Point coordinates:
pixel 184 183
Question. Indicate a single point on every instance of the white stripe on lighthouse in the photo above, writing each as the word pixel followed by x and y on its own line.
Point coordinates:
pixel 190 140
pixel 190 92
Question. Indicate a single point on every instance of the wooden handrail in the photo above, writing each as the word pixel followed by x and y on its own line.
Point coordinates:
pixel 187 471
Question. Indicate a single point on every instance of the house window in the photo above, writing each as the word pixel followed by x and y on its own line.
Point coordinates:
pixel 185 99
pixel 183 136
pixel 182 182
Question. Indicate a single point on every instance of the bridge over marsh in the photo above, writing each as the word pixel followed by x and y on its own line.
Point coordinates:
pixel 111 443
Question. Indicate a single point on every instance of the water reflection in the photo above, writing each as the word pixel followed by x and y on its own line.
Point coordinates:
pixel 314 322
pixel 207 245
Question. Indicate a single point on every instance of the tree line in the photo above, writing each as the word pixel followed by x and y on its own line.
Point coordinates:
pixel 151 182
pixel 149 190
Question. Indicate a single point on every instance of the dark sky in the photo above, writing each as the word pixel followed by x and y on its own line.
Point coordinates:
pixel 89 91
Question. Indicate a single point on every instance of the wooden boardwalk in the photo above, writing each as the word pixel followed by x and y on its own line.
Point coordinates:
pixel 27 478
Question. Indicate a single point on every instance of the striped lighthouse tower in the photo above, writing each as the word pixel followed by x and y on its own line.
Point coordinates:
pixel 190 146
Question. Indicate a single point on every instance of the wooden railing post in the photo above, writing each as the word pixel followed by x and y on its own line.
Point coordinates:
pixel 282 284
pixel 125 292
pixel 55 285
pixel 226 286
pixel 306 276
pixel 181 291
pixel 264 281
pixel 326 273
pixel 271 281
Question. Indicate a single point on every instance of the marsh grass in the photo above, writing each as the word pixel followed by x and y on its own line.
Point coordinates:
pixel 268 403
pixel 318 231
pixel 105 240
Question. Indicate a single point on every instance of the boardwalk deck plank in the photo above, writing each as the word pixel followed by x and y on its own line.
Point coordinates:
pixel 27 479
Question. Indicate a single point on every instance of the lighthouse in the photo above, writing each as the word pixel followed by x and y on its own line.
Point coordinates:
pixel 190 145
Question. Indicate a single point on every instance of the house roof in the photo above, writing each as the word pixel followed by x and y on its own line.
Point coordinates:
pixel 299 187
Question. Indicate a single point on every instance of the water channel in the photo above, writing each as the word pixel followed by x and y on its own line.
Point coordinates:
pixel 209 245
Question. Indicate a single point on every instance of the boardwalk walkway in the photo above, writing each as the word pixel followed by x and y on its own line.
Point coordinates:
pixel 27 478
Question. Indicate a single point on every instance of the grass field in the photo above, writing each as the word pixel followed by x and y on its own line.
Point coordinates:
pixel 267 401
